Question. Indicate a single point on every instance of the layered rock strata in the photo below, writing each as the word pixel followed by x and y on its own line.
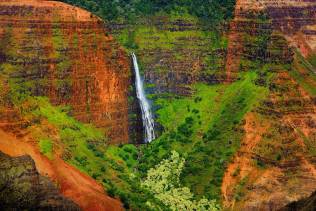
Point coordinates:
pixel 276 162
pixel 174 53
pixel 295 20
pixel 65 53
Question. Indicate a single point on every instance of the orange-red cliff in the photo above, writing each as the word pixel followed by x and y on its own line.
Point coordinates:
pixel 66 54
pixel 275 164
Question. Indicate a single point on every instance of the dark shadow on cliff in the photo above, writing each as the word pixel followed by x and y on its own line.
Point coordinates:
pixel 23 188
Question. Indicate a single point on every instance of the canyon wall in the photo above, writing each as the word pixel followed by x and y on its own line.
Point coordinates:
pixel 174 52
pixel 276 162
pixel 295 20
pixel 65 53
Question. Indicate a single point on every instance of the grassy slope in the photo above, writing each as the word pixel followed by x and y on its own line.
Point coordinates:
pixel 56 132
pixel 85 147
pixel 204 128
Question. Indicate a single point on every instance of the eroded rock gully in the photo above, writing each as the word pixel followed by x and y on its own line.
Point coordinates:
pixel 276 162
pixel 65 53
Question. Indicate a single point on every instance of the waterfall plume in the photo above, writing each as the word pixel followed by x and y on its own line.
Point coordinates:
pixel 147 117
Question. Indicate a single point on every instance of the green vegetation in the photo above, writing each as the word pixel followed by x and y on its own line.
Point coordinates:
pixel 205 128
pixel 211 12
pixel 164 182
pixel 304 73
pixel 173 45
pixel 312 60
pixel 63 83
pixel 201 132
pixel 46 147
pixel 85 147
pixel 81 145
pixel 239 189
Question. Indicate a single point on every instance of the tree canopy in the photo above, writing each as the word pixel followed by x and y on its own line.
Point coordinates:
pixel 163 182
pixel 212 11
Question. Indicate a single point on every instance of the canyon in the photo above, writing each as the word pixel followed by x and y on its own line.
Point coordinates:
pixel 236 100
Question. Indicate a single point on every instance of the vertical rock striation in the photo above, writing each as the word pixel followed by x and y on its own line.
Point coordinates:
pixel 174 52
pixel 65 53
pixel 276 162
pixel 294 19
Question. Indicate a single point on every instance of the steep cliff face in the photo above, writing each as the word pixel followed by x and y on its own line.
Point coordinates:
pixel 296 20
pixel 174 52
pixel 63 52
pixel 23 188
pixel 276 162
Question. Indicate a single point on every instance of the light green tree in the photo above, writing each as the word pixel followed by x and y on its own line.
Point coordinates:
pixel 163 181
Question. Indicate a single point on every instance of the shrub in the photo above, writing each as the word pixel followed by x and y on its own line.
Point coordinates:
pixel 46 147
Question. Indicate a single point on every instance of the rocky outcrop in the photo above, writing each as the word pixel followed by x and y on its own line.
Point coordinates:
pixel 65 53
pixel 295 20
pixel 276 162
pixel 307 204
pixel 71 183
pixel 23 188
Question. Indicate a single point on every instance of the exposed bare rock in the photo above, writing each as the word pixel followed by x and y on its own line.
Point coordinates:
pixel 306 204
pixel 276 162
pixel 23 188
pixel 73 184
pixel 176 54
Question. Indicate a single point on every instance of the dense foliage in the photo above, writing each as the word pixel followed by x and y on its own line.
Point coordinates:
pixel 164 182
pixel 213 11
pixel 206 130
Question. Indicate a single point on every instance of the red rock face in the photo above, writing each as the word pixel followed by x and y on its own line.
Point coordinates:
pixel 65 53
pixel 276 162
pixel 294 19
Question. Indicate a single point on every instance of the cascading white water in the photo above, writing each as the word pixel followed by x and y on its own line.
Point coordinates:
pixel 148 121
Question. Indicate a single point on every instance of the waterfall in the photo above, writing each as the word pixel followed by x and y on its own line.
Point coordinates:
pixel 148 121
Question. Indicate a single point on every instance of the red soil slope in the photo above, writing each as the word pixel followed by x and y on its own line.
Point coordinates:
pixel 83 190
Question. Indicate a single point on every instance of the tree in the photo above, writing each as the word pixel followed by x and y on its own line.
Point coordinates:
pixel 164 183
